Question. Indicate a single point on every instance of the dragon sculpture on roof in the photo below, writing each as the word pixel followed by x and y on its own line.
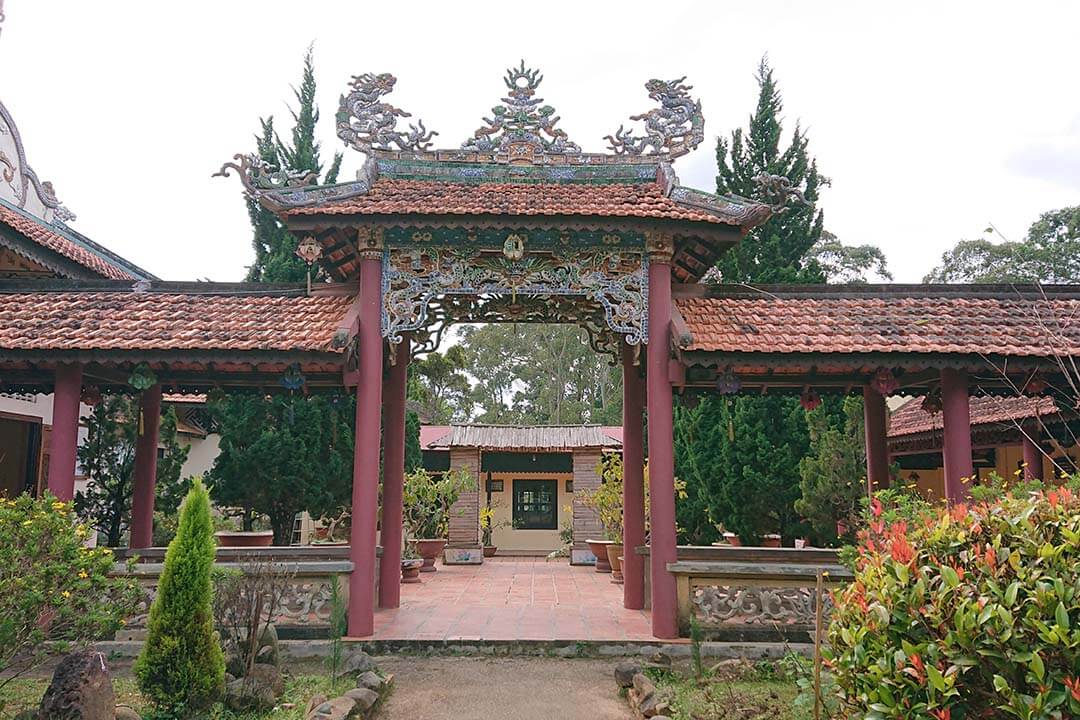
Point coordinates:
pixel 365 123
pixel 672 130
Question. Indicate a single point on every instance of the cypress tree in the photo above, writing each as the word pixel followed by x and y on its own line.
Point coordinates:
pixel 181 668
pixel 740 456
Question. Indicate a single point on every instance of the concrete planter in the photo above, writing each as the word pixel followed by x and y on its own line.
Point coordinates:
pixel 259 538
pixel 410 570
pixel 490 550
pixel 599 549
pixel 614 554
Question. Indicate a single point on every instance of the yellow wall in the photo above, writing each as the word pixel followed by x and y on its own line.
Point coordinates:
pixel 509 539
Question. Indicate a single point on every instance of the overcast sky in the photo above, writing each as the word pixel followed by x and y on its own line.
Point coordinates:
pixel 932 119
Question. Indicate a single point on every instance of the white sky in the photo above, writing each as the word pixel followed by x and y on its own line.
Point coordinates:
pixel 931 118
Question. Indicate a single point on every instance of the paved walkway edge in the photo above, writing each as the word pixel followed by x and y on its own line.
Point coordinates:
pixel 315 649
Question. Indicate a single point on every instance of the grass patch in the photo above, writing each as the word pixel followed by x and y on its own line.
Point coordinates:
pixel 741 691
pixel 25 693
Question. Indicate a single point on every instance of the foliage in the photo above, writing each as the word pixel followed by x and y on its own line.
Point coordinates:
pixel 833 474
pixel 996 487
pixel 414 455
pixel 281 455
pixel 848 264
pixel 488 525
pixel 801 670
pixel 441 386
pixel 728 690
pixel 181 669
pixel 1049 253
pixel 740 460
pixel 540 374
pixel 107 456
pixel 245 600
pixel 974 611
pixel 275 247
pixel 55 592
pixel 607 499
pixel 427 500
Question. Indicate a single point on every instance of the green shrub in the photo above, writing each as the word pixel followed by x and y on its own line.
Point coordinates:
pixel 973 612
pixel 54 591
pixel 181 668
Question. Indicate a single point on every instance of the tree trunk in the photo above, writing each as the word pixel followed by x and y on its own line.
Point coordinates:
pixel 282 525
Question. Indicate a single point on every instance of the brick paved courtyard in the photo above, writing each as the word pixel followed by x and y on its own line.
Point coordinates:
pixel 513 599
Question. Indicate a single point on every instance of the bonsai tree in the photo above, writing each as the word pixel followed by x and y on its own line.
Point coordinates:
pixel 427 500
pixel 181 668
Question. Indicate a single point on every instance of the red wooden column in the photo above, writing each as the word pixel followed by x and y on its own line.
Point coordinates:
pixel 877 449
pixel 1033 457
pixel 956 418
pixel 393 477
pixel 146 447
pixel 661 442
pixel 633 483
pixel 365 489
pixel 64 439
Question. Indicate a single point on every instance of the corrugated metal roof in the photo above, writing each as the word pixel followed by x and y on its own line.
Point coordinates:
pixel 530 437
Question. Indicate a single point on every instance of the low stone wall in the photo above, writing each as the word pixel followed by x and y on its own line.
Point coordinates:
pixel 751 594
pixel 305 610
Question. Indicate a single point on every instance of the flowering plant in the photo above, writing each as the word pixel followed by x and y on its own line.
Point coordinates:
pixel 54 591
pixel 966 612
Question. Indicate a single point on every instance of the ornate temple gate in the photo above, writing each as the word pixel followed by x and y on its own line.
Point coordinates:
pixel 515 225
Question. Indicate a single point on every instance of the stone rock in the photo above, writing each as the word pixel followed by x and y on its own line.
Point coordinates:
pixel 357 662
pixel 365 699
pixel 625 672
pixel 245 694
pixel 234 665
pixel 339 708
pixel 81 689
pixel 315 701
pixel 270 676
pixel 370 680
pixel 652 706
pixel 123 712
pixel 268 647
pixel 643 687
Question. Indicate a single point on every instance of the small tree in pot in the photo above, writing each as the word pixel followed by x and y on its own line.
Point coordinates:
pixel 426 503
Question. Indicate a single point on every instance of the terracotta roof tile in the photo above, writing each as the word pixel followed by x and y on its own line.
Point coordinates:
pixel 151 321
pixel 951 323
pixel 56 242
pixel 911 419
pixel 426 197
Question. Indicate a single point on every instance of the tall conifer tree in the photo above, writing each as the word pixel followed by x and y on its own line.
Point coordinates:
pixel 740 456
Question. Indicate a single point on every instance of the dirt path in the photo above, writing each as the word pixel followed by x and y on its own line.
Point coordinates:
pixel 515 688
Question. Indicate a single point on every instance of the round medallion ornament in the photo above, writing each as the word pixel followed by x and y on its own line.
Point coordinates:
pixel 514 247
pixel 728 383
pixel 309 250
pixel 884 382
pixel 809 399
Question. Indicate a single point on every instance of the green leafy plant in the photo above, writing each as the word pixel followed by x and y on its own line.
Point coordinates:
pixel 181 668
pixel 489 525
pixel 55 592
pixel 427 500
pixel 970 612
pixel 607 500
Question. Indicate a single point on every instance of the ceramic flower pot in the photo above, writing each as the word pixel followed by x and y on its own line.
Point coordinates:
pixel 614 554
pixel 258 538
pixel 599 549
pixel 429 550
pixel 732 539
pixel 490 550
pixel 771 541
pixel 410 570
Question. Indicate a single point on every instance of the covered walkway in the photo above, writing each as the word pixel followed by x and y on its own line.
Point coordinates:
pixel 513 599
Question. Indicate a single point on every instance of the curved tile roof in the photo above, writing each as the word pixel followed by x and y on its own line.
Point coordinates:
pixel 911 419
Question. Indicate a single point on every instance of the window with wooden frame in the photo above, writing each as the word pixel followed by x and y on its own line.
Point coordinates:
pixel 536 505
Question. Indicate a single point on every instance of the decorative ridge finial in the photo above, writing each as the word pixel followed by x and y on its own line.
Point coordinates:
pixel 522 128
pixel 258 175
pixel 672 130
pixel 365 124
pixel 778 192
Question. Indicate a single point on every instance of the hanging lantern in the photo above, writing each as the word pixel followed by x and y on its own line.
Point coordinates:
pixel 293 379
pixel 142 377
pixel 91 395
pixel 1035 385
pixel 728 383
pixel 931 404
pixel 884 382
pixel 809 398
pixel 309 250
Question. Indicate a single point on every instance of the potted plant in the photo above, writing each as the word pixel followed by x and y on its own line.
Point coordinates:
pixel 411 562
pixel 228 534
pixel 488 525
pixel 427 500
pixel 607 501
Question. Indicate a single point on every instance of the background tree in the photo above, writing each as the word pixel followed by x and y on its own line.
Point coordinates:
pixel 848 264
pixel 1049 253
pixel 414 455
pixel 107 456
pixel 283 455
pixel 440 386
pixel 833 473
